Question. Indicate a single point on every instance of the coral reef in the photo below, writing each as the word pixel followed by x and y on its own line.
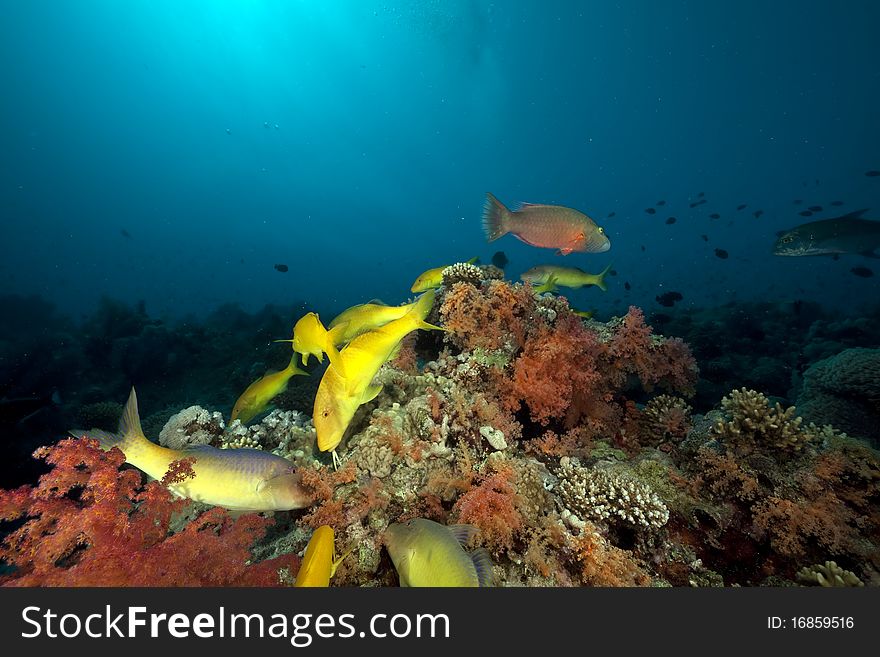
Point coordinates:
pixel 828 574
pixel 191 426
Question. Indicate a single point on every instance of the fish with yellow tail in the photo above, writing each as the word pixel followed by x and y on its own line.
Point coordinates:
pixel 362 318
pixel 348 380
pixel 320 562
pixel 246 480
pixel 433 278
pixel 257 396
pixel 546 226
pixel 426 553
pixel 549 277
pixel 309 338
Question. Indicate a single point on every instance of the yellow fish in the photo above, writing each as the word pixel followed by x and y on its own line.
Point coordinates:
pixel 237 479
pixel 319 563
pixel 348 381
pixel 426 553
pixel 433 278
pixel 309 338
pixel 586 314
pixel 550 276
pixel 255 399
pixel 365 317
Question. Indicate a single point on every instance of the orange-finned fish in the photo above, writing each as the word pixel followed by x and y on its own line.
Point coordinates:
pixel 319 563
pixel 546 226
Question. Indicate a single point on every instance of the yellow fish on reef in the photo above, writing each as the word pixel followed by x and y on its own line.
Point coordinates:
pixel 426 553
pixel 309 338
pixel 319 563
pixel 362 318
pixel 433 278
pixel 550 276
pixel 348 381
pixel 256 397
pixel 237 479
pixel 547 226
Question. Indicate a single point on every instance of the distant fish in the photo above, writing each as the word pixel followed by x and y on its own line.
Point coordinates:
pixel 705 238
pixel 714 215
pixel 627 286
pixel 668 299
pixel 612 272
pixel 547 277
pixel 670 221
pixel 805 213
pixel 836 203
pixel 282 268
pixel 258 395
pixel 643 247
pixel 701 194
pixel 499 259
pixel 611 214
pixel 815 208
pixel 845 234
pixel 742 206
pixel 721 253
pixel 864 272
pixel 650 210
pixel 546 226
pixel 661 203
pixel 873 173
pixel 696 203
pixel 125 233
pixel 758 213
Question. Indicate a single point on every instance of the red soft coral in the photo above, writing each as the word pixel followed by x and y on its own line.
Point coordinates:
pixel 492 507
pixel 89 524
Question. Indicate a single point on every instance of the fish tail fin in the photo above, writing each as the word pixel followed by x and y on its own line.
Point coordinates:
pixel 422 306
pixel 129 432
pixel 483 565
pixel 495 217
pixel 106 440
pixel 600 278
pixel 293 369
pixel 473 260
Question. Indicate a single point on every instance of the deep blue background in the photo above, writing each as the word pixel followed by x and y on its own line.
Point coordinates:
pixel 394 118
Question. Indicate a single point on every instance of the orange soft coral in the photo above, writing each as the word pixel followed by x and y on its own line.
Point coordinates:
pixel 494 316
pixel 492 508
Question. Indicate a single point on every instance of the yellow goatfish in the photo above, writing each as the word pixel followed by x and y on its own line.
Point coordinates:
pixel 255 399
pixel 359 319
pixel 426 553
pixel 237 479
pixel 348 381
pixel 549 276
pixel 319 563
pixel 309 338
pixel 433 278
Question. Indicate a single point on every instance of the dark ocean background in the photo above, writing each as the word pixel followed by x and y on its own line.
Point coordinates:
pixel 165 156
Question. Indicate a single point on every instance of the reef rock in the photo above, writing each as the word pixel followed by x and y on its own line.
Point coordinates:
pixel 192 426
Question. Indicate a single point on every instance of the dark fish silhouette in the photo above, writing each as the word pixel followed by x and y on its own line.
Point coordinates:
pixel 848 233
pixel 721 253
pixel 627 286
pixel 705 238
pixel 758 213
pixel 668 299
pixel 714 215
pixel 697 203
pixel 670 221
pixel 643 247
pixel 701 194
pixel 741 207
pixel 864 272
pixel 282 268
pixel 873 173
pixel 612 272
pixel 650 210
pixel 805 213
pixel 659 203
pixel 125 233
pixel 611 214
pixel 499 259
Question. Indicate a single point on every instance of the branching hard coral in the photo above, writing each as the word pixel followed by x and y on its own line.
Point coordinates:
pixel 89 524
pixel 828 574
pixel 462 272
pixel 753 424
pixel 665 418
pixel 191 426
pixel 600 495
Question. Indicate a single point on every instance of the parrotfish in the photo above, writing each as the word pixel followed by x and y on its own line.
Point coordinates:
pixel 546 226
pixel 549 276
pixel 319 562
pixel 426 553
pixel 433 278
pixel 845 234
pixel 256 397
pixel 237 479
pixel 348 381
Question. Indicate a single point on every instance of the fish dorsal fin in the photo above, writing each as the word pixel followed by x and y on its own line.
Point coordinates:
pixel 483 564
pixel 523 205
pixel 463 533
pixel 855 214
pixel 130 422
pixel 375 302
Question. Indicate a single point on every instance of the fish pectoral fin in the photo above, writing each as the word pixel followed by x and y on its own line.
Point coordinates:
pixel 564 251
pixel 337 561
pixel 371 393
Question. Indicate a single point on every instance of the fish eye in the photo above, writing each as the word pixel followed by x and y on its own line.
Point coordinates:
pixel 601 230
pixel 325 412
pixel 787 239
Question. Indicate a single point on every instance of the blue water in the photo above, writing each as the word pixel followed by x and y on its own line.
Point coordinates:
pixel 175 152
